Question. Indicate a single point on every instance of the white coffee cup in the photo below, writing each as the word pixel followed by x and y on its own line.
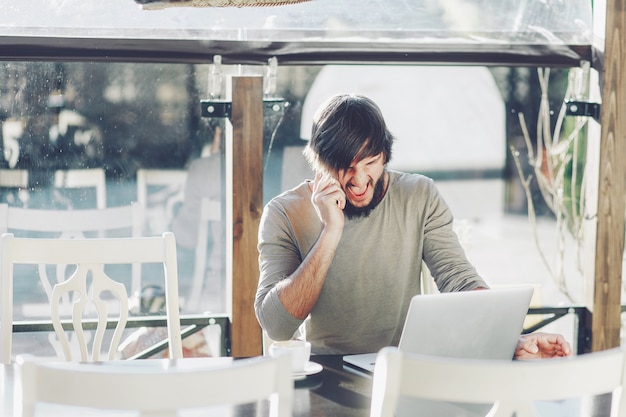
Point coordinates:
pixel 299 350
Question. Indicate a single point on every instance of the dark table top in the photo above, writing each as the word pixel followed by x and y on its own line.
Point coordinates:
pixel 336 391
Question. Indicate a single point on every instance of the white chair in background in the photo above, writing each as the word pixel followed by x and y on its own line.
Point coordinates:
pixel 210 211
pixel 83 178
pixel 122 221
pixel 158 191
pixel 160 387
pixel 90 256
pixel 11 131
pixel 511 386
pixel 16 179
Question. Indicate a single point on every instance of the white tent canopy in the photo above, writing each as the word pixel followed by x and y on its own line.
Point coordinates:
pixel 443 117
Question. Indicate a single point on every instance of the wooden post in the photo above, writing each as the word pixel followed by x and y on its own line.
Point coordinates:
pixel 244 180
pixel 609 248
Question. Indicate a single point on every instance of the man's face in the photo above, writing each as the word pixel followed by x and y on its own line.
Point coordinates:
pixel 364 185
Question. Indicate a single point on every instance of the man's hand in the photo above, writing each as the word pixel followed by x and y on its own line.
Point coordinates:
pixel 329 200
pixel 541 346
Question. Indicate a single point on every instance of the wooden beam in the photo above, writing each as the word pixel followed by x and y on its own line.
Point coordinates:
pixel 609 250
pixel 246 168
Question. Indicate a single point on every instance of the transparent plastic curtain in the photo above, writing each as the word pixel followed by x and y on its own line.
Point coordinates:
pixel 471 21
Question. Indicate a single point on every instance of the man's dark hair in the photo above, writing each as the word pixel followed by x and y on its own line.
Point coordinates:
pixel 347 127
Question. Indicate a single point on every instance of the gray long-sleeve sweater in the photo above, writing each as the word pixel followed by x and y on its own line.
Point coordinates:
pixel 376 269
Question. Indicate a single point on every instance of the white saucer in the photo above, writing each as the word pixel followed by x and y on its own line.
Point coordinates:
pixel 309 369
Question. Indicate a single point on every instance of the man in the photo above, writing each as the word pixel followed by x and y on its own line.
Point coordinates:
pixel 346 250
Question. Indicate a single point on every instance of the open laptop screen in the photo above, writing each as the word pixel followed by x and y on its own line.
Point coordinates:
pixel 467 324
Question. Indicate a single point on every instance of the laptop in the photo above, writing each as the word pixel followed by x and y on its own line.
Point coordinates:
pixel 481 324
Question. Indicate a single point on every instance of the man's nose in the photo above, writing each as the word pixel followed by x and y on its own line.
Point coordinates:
pixel 360 178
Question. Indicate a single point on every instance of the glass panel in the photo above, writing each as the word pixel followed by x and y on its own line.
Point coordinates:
pixel 462 127
pixel 455 124
pixel 121 119
pixel 125 118
pixel 118 119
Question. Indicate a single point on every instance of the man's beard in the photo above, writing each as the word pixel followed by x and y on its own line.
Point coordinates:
pixel 352 212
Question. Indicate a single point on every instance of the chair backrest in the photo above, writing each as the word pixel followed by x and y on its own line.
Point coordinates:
pixel 511 386
pixel 14 178
pixel 160 387
pixel 89 256
pixel 123 221
pixel 15 181
pixel 210 211
pixel 83 178
pixel 171 188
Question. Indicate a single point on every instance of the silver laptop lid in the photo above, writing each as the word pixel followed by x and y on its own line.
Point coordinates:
pixel 466 324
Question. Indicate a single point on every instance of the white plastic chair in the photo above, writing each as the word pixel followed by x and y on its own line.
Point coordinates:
pixel 12 130
pixel 89 256
pixel 122 221
pixel 511 386
pixel 159 388
pixel 210 211
pixel 171 184
pixel 16 179
pixel 83 178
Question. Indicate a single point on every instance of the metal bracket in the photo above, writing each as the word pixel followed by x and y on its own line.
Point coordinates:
pixel 583 108
pixel 274 106
pixel 212 108
pixel 219 108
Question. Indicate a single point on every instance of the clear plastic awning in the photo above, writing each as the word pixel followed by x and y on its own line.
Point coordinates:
pixel 557 32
